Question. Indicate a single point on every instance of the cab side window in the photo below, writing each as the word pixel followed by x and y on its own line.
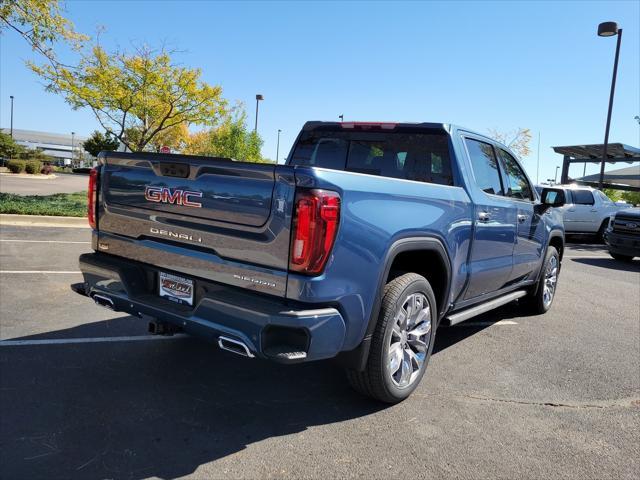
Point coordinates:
pixel 485 166
pixel 583 197
pixel 516 182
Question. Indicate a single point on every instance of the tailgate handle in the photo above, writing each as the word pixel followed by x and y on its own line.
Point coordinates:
pixel 180 170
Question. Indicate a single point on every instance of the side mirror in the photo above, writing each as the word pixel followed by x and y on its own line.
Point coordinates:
pixel 552 197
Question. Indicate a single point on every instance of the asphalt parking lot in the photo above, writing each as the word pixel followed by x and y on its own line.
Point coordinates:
pixel 85 393
pixel 29 185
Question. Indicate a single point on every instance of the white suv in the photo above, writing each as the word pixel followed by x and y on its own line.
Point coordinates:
pixel 586 210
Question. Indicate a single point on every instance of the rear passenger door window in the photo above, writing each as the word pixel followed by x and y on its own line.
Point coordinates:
pixel 583 197
pixel 515 180
pixel 485 166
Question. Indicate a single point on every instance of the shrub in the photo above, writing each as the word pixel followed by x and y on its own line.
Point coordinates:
pixel 16 166
pixel 33 166
pixel 46 169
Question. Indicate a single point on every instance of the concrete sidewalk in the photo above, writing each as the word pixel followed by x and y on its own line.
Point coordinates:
pixel 42 221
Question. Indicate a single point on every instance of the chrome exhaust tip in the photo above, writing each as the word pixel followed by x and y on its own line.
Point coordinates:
pixel 103 301
pixel 234 346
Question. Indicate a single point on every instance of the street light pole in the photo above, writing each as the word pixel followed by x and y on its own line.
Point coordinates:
pixel 72 147
pixel 258 98
pixel 11 126
pixel 555 178
pixel 609 29
pixel 278 147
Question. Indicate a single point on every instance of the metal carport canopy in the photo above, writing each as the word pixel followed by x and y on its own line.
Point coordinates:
pixel 616 152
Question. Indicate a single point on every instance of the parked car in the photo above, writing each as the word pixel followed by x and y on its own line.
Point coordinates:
pixel 623 234
pixel 587 210
pixel 369 238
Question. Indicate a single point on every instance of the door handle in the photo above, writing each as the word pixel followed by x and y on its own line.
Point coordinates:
pixel 522 218
pixel 484 216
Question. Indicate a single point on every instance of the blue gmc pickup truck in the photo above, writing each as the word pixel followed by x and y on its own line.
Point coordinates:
pixel 369 238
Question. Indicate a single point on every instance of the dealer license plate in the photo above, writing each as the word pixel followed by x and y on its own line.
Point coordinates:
pixel 175 288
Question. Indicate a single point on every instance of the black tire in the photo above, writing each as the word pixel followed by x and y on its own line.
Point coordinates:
pixel 622 258
pixel 377 380
pixel 536 301
pixel 601 230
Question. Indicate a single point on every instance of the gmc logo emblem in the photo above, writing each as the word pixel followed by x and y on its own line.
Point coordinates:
pixel 174 197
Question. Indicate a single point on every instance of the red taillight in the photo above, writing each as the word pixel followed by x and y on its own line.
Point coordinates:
pixel 315 223
pixel 92 197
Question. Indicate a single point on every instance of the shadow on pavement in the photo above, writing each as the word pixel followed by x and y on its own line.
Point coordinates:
pixel 610 263
pixel 159 408
pixel 584 239
pixel 448 336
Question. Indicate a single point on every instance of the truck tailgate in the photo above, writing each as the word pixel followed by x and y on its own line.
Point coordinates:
pixel 223 220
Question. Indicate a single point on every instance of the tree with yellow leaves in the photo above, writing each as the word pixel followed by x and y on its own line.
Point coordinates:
pixel 40 23
pixel 137 97
pixel 517 140
pixel 231 139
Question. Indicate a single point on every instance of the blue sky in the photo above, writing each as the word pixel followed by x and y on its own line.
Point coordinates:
pixel 483 65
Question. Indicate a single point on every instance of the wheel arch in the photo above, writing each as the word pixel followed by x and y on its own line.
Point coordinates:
pixel 556 240
pixel 397 258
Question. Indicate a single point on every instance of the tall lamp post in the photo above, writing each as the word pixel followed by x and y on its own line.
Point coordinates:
pixel 11 125
pixel 278 147
pixel 555 178
pixel 72 146
pixel 258 98
pixel 609 29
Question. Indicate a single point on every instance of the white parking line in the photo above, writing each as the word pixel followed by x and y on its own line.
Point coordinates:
pixel 66 341
pixel 41 271
pixel 41 241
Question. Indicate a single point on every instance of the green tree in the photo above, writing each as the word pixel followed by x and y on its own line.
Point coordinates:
pixel 631 197
pixel 175 138
pixel 9 148
pixel 617 195
pixel 613 194
pixel 40 23
pixel 144 92
pixel 99 141
pixel 232 139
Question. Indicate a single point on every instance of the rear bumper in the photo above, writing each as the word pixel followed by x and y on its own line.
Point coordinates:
pixel 265 325
pixel 623 244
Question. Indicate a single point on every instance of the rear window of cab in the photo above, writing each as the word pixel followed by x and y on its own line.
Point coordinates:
pixel 419 156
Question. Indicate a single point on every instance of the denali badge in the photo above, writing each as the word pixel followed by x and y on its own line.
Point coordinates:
pixel 175 196
pixel 169 233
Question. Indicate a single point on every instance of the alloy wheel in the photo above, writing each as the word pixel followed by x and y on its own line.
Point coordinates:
pixel 409 340
pixel 550 281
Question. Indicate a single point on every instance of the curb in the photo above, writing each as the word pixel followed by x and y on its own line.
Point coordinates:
pixel 29 176
pixel 7 219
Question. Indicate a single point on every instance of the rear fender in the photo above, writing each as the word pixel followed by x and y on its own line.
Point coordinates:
pixel 356 359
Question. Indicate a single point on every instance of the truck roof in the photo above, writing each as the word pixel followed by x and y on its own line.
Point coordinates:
pixel 312 124
pixel 390 125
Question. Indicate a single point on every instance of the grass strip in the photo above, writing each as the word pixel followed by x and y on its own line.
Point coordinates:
pixel 58 205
